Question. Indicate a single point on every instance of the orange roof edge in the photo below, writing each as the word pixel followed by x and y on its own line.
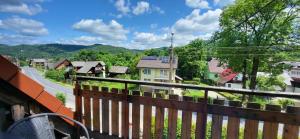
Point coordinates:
pixel 10 73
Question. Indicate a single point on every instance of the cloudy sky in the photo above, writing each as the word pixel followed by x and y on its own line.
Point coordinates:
pixel 127 23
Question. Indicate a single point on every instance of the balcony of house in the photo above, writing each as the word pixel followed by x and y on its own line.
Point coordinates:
pixel 123 113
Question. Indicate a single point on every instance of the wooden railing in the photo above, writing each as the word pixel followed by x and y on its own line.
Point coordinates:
pixel 232 121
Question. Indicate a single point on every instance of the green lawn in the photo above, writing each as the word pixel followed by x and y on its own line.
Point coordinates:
pixel 194 93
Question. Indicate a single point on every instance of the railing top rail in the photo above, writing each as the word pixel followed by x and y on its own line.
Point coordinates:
pixel 197 87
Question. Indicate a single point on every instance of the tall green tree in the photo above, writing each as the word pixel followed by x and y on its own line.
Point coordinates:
pixel 254 34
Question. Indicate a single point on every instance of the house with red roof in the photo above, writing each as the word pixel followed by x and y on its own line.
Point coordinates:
pixel 20 96
pixel 223 75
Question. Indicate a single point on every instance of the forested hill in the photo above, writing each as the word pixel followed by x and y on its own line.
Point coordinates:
pixel 58 50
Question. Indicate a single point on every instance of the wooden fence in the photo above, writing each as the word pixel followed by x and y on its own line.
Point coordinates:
pixel 106 112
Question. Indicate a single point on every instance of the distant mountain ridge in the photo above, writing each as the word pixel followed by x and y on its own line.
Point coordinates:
pixel 58 50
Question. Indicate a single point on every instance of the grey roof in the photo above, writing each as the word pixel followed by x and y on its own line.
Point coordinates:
pixel 88 65
pixel 39 60
pixel 118 69
pixel 157 62
pixel 78 63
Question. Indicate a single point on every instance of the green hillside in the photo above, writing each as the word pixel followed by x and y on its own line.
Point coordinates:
pixel 57 50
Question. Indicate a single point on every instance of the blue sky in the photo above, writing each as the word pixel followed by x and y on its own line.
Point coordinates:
pixel 138 24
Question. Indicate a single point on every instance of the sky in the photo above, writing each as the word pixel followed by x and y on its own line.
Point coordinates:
pixel 134 24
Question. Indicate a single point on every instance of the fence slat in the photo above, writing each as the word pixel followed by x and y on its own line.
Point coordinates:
pixel 96 110
pixel 105 113
pixel 291 131
pixel 270 130
pixel 199 120
pixel 125 115
pixel 135 117
pixel 186 121
pixel 159 120
pixel 251 126
pixel 233 124
pixel 87 107
pixel 147 118
pixel 172 119
pixel 217 120
pixel 115 115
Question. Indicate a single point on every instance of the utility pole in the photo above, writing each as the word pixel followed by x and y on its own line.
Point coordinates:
pixel 171 59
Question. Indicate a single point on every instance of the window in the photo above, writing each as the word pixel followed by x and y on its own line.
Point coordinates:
pixel 147 79
pixel 147 71
pixel 163 72
pixel 229 85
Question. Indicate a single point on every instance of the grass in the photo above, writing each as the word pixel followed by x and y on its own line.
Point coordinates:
pixel 193 93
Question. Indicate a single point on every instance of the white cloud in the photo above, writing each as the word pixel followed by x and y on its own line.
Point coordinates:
pixel 198 23
pixel 20 7
pixel 223 3
pixel 122 6
pixel 17 39
pixel 141 8
pixel 111 31
pixel 82 40
pixel 202 4
pixel 22 26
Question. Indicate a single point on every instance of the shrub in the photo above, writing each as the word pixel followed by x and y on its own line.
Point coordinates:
pixel 285 102
pixel 57 75
pixel 62 97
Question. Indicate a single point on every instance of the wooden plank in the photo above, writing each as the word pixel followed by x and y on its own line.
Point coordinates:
pixel 172 119
pixel 136 117
pixel 199 120
pixel 96 110
pixel 186 124
pixel 17 112
pixel 270 129
pixel 125 115
pixel 291 131
pixel 159 120
pixel 233 124
pixel 217 120
pixel 147 118
pixel 115 115
pixel 251 126
pixel 105 112
pixel 87 107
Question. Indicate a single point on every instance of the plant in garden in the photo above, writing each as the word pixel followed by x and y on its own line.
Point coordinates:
pixel 61 96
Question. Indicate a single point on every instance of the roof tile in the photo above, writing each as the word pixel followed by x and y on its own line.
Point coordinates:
pixel 67 112
pixel 26 85
pixel 8 69
pixel 49 101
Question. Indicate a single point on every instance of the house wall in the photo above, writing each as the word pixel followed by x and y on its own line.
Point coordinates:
pixel 155 75
pixel 212 76
pixel 234 85
pixel 63 65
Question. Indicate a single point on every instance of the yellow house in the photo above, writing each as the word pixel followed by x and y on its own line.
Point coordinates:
pixel 156 69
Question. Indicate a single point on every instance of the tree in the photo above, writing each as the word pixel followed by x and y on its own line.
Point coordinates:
pixel 253 34
pixel 192 59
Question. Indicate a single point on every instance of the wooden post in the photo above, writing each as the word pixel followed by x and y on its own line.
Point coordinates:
pixel 125 113
pixel 159 120
pixel 233 124
pixel 96 110
pixel 136 117
pixel 147 118
pixel 172 119
pixel 78 107
pixel 115 114
pixel 270 130
pixel 291 131
pixel 217 120
pixel 251 126
pixel 186 124
pixel 105 112
pixel 17 112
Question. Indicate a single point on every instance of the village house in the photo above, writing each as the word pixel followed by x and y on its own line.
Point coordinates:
pixel 21 97
pixel 157 69
pixel 38 63
pixel 294 74
pixel 89 68
pixel 61 64
pixel 214 69
pixel 117 70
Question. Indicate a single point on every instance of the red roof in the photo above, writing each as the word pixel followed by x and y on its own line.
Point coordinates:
pixel 227 75
pixel 11 73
